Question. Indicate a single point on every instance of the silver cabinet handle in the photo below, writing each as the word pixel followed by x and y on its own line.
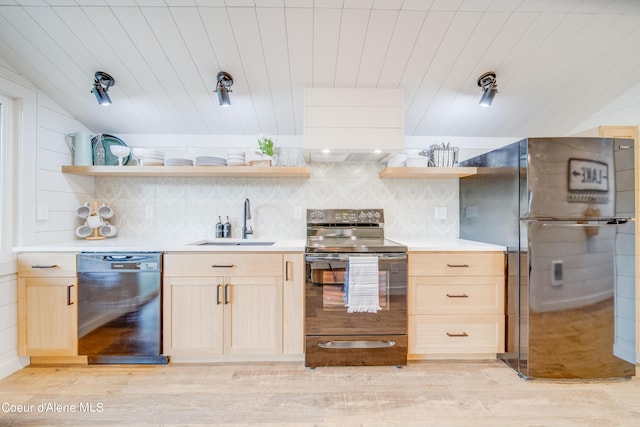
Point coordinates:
pixel 464 334
pixel 457 265
pixel 69 302
pixel 223 266
pixel 218 294
pixel 46 266
pixel 286 271
pixel 226 294
pixel 457 296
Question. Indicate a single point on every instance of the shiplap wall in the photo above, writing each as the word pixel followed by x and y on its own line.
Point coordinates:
pixel 57 194
pixel 11 86
pixel 9 360
pixel 40 183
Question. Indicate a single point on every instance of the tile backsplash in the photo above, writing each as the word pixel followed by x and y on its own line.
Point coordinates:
pixel 186 209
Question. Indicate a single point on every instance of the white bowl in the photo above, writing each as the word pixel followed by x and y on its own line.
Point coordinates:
pixel 120 150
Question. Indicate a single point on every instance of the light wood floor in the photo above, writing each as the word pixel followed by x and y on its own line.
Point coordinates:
pixel 446 394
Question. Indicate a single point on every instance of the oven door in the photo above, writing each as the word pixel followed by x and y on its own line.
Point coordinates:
pixel 325 300
pixel 335 337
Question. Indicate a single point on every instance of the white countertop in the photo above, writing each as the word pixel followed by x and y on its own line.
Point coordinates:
pixel 456 245
pixel 148 245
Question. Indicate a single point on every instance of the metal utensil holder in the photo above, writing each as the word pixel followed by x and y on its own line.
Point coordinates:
pixel 442 155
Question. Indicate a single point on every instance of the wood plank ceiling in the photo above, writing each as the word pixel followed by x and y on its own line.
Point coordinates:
pixel 557 61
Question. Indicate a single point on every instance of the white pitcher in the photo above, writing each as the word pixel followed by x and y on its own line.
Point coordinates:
pixel 80 145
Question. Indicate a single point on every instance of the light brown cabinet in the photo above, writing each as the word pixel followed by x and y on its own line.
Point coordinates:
pixel 47 310
pixel 221 305
pixel 293 304
pixel 456 305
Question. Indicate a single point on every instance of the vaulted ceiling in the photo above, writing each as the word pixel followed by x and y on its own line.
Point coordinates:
pixel 557 61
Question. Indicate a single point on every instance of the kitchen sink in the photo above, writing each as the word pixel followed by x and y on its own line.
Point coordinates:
pixel 232 243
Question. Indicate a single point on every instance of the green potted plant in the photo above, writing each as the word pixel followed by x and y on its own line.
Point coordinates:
pixel 266 147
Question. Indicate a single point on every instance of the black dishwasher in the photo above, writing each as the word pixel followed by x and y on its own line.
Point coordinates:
pixel 120 307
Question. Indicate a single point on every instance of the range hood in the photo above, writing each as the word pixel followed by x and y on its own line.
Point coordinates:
pixel 353 124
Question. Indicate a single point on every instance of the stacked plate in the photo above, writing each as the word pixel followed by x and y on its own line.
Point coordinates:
pixel 152 157
pixel 210 161
pixel 236 158
pixel 178 162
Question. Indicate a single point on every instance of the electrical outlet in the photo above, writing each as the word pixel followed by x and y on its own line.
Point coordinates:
pixel 148 211
pixel 297 212
pixel 441 212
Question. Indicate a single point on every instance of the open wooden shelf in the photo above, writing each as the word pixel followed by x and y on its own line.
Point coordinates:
pixel 429 172
pixel 195 171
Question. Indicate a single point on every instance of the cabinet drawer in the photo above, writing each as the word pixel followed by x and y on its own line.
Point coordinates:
pixel 49 264
pixel 222 264
pixel 456 334
pixel 456 264
pixel 456 295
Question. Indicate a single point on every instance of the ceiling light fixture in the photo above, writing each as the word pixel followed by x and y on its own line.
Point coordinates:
pixel 489 86
pixel 223 87
pixel 101 85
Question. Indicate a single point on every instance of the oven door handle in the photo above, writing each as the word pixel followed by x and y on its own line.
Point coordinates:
pixel 356 344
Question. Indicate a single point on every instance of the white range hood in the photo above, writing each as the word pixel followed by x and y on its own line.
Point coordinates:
pixel 353 124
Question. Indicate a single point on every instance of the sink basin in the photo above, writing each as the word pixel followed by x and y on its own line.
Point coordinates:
pixel 232 243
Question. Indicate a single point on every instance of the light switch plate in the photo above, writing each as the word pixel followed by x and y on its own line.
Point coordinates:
pixel 42 213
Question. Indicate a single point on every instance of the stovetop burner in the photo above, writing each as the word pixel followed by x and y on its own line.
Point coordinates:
pixel 348 230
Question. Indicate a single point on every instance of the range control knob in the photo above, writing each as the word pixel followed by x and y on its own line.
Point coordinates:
pixel 377 216
pixel 362 216
pixel 370 215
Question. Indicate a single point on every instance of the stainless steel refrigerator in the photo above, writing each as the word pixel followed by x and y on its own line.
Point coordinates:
pixel 564 208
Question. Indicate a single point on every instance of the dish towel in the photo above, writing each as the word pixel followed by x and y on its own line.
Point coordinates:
pixel 362 288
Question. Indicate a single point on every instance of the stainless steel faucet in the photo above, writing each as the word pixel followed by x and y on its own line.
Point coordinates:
pixel 246 230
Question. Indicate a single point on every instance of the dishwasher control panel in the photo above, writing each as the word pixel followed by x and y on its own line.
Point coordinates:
pixel 142 266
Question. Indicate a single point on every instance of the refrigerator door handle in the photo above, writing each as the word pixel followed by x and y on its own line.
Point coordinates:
pixel 586 223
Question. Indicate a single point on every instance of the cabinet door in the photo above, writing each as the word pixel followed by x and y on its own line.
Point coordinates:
pixel 293 297
pixel 193 316
pixel 253 315
pixel 47 316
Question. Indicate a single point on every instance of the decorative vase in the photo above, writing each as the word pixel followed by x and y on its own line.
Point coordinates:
pixel 264 161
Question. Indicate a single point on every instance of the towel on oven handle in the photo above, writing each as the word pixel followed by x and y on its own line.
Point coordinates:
pixel 362 285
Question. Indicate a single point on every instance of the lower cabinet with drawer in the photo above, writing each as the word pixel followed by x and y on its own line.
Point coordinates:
pixel 218 306
pixel 47 310
pixel 456 305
